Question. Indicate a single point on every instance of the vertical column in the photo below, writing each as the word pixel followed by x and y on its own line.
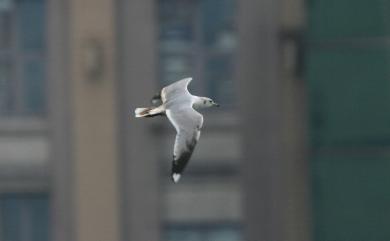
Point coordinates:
pixel 260 103
pixel 94 119
pixel 61 162
pixel 140 166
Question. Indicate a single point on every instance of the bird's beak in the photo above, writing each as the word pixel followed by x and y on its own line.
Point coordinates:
pixel 216 104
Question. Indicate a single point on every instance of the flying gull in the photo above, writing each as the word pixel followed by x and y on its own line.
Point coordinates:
pixel 176 102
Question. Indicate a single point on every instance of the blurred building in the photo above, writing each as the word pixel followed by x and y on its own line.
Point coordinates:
pixel 298 150
pixel 347 73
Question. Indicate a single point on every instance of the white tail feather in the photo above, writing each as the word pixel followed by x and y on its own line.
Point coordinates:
pixel 150 111
pixel 141 112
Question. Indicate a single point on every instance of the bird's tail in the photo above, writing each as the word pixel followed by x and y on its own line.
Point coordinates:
pixel 149 111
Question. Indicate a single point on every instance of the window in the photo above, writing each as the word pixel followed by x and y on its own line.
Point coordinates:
pixel 203 232
pixel 197 38
pixel 24 217
pixel 22 57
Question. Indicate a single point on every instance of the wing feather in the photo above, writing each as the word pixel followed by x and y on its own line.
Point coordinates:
pixel 172 91
pixel 187 123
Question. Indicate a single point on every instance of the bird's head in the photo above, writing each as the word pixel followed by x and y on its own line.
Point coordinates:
pixel 207 102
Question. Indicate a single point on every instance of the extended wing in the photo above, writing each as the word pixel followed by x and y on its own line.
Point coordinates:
pixel 176 89
pixel 187 123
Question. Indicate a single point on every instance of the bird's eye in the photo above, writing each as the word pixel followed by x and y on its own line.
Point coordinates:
pixel 210 101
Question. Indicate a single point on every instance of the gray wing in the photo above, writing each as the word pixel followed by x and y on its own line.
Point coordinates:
pixel 187 123
pixel 177 89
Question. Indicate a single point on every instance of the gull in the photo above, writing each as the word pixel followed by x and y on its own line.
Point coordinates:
pixel 179 106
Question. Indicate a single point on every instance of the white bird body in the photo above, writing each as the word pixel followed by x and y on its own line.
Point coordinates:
pixel 178 105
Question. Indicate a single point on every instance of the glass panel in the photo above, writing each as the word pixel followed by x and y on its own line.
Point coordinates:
pixel 24 217
pixel 11 218
pixel 341 19
pixel 197 38
pixel 349 93
pixel 176 22
pixel 204 232
pixel 220 79
pixel 6 88
pixel 39 218
pixel 34 96
pixel 175 67
pixel 184 235
pixel 5 30
pixel 224 234
pixel 31 24
pixel 21 59
pixel 217 23
pixel 349 97
pixel 6 5
pixel 351 198
pixel 176 40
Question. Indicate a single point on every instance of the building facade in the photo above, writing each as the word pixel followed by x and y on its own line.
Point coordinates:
pixel 76 165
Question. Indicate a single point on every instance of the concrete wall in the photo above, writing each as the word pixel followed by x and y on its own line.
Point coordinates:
pixel 88 174
pixel 272 103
